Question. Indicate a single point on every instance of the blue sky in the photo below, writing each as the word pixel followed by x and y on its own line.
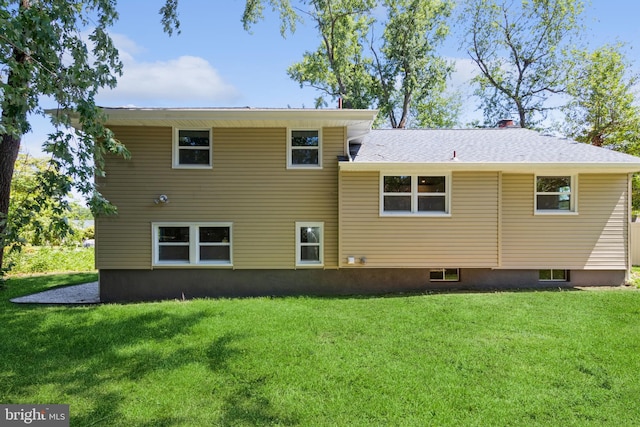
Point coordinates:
pixel 215 63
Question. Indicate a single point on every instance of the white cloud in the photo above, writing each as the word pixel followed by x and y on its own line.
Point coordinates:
pixel 184 81
pixel 465 70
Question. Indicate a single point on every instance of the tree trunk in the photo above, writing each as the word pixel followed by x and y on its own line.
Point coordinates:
pixel 14 114
pixel 9 149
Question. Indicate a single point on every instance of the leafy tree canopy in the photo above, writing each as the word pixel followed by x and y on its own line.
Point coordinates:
pixel 59 52
pixel 602 109
pixel 519 48
pixel 379 54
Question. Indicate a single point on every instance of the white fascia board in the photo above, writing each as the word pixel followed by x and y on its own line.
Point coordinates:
pixel 556 168
pixel 357 121
pixel 230 117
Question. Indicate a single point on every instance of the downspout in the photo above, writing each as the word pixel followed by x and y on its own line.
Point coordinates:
pixel 627 274
pixel 499 219
pixel 348 141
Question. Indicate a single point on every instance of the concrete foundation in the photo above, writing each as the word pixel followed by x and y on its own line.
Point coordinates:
pixel 146 285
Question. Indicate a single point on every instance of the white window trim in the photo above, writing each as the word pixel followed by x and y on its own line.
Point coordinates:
pixel 290 165
pixel 444 279
pixel 194 244
pixel 414 196
pixel 299 244
pixel 176 149
pixel 573 210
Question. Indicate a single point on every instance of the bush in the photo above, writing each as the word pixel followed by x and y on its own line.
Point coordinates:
pixel 46 259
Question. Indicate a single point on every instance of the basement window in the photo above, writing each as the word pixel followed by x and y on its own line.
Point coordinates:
pixel 444 275
pixel 553 275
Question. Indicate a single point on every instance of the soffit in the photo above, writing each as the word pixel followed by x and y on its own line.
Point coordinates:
pixel 357 122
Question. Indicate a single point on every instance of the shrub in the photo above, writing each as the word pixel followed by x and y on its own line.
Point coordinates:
pixel 45 259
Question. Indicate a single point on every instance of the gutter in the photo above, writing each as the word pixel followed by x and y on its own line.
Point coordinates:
pixel 513 167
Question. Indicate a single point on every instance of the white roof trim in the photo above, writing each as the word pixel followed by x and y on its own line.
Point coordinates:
pixel 565 168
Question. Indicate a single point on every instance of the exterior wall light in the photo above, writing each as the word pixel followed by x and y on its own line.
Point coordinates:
pixel 161 199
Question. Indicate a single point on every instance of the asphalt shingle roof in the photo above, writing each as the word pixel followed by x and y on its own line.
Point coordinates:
pixel 499 145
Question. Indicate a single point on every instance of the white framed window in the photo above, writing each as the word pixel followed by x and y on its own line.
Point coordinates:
pixel 309 244
pixel 555 194
pixel 304 148
pixel 444 275
pixel 187 244
pixel 552 275
pixel 192 148
pixel 415 195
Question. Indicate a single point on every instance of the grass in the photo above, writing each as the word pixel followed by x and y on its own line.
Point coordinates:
pixel 635 276
pixel 484 359
pixel 45 259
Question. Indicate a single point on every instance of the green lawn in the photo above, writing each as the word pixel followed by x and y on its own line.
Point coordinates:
pixel 463 359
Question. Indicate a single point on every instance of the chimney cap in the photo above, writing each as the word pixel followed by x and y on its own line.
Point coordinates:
pixel 505 123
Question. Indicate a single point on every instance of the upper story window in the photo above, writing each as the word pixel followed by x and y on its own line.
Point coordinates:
pixel 192 244
pixel 415 195
pixel 555 194
pixel 192 148
pixel 304 148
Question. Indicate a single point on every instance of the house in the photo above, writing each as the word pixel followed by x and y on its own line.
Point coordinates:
pixel 241 202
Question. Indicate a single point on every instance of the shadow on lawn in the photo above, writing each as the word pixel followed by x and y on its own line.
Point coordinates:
pixel 89 354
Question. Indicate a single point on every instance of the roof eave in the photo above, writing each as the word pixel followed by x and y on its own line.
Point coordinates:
pixel 356 121
pixel 519 167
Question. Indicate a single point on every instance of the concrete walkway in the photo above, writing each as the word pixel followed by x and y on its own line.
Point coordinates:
pixel 88 293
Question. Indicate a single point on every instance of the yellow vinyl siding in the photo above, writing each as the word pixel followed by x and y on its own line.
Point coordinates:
pixel 469 238
pixel 595 238
pixel 249 185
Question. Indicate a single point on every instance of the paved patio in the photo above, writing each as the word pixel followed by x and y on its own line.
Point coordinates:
pixel 88 293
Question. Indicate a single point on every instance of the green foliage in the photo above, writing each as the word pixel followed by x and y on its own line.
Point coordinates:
pixel 412 79
pixel 398 72
pixel 45 55
pixel 338 68
pixel 253 13
pixel 469 359
pixel 519 48
pixel 39 208
pixel 602 110
pixel 47 259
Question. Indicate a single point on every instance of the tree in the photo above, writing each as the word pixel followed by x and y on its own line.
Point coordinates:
pixel 411 77
pixel 338 68
pixel 398 73
pixel 59 50
pixel 602 110
pixel 518 48
pixel 38 210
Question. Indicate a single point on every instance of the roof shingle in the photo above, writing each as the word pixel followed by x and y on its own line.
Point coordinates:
pixel 499 145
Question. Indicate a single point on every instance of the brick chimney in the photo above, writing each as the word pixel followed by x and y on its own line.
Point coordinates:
pixel 505 123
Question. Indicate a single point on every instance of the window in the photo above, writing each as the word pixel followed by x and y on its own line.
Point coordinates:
pixel 444 275
pixel 553 275
pixel 192 244
pixel 309 246
pixel 192 148
pixel 415 194
pixel 555 194
pixel 304 149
